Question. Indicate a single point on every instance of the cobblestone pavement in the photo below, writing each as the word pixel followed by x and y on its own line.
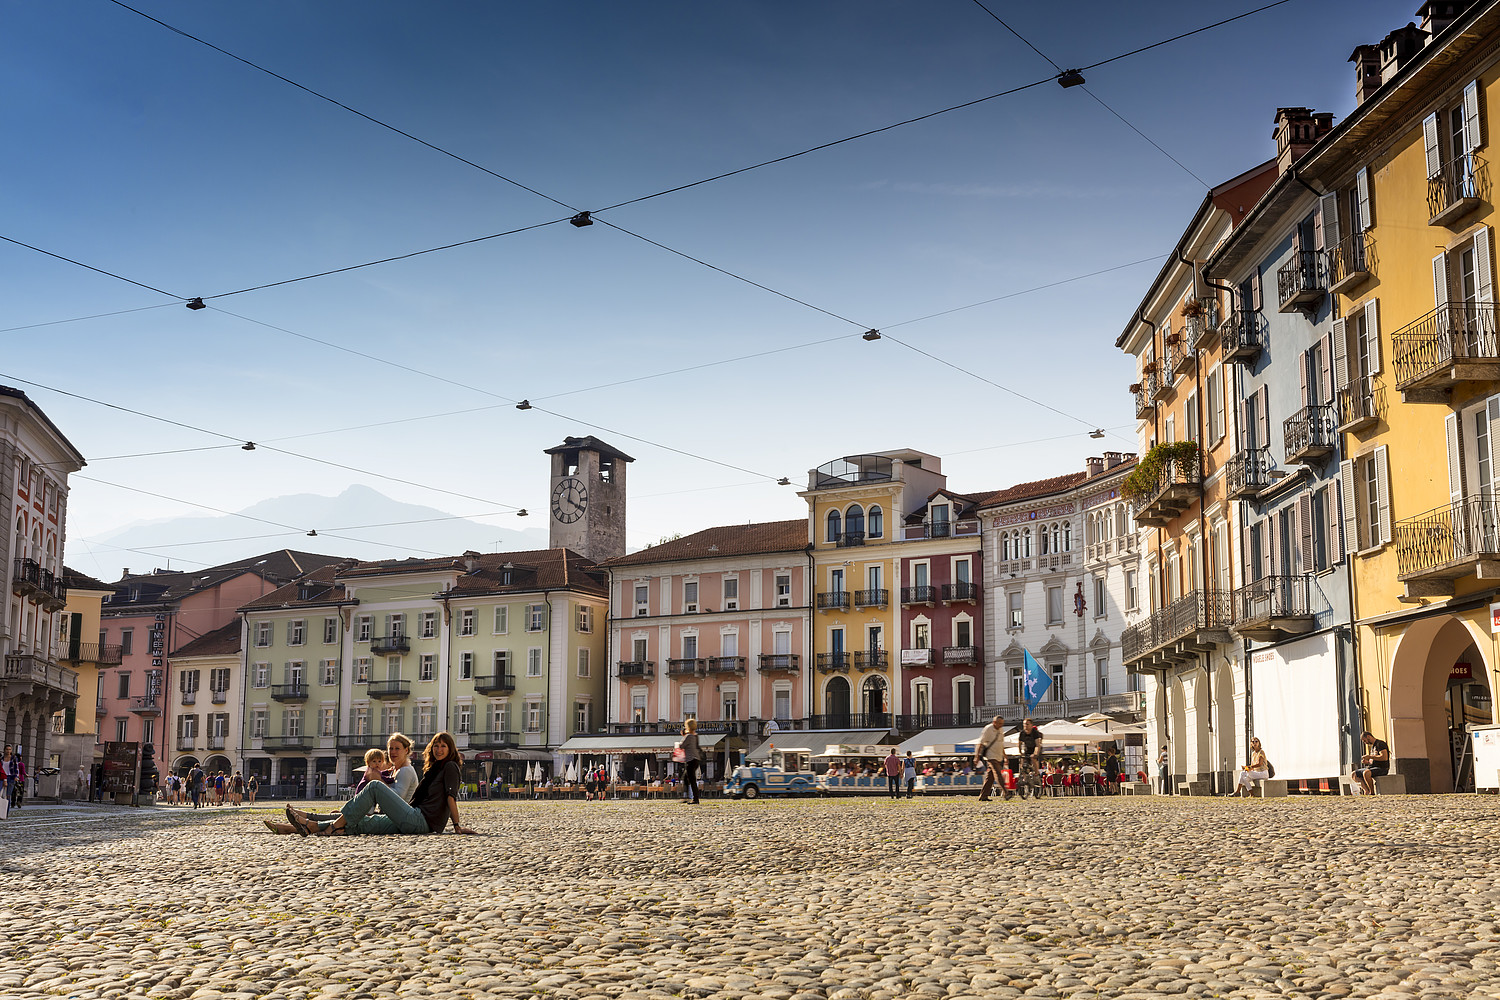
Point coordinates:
pixel 792 900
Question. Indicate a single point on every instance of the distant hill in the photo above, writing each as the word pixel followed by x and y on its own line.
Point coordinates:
pixel 404 530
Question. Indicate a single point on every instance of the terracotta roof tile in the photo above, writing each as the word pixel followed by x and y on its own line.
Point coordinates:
pixel 74 580
pixel 728 540
pixel 1039 488
pixel 219 642
pixel 319 588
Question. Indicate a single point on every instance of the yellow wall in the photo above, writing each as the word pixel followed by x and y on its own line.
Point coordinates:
pixel 857 621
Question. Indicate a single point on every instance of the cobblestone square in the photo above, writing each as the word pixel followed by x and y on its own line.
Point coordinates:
pixel 808 899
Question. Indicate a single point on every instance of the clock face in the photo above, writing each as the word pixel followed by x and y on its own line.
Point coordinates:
pixel 569 500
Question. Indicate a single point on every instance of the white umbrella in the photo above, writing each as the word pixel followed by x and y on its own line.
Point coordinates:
pixel 647 770
pixel 531 773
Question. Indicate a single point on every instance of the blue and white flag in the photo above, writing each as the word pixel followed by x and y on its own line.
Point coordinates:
pixel 1037 681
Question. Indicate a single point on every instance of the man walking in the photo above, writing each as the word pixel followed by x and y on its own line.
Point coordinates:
pixel 990 749
pixel 893 774
pixel 195 785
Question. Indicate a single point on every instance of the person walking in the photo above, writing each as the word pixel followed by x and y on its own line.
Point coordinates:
pixel 990 750
pixel 195 785
pixel 1161 767
pixel 909 773
pixel 893 774
pixel 692 757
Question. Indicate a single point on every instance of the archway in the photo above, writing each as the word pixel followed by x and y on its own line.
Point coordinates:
pixel 184 765
pixel 1226 727
pixel 872 700
pixel 217 763
pixel 1177 734
pixel 836 702
pixel 1432 698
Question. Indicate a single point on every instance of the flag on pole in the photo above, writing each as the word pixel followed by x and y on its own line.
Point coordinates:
pixel 1037 681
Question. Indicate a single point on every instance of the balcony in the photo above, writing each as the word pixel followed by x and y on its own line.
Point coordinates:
pixel 1247 473
pixel 100 709
pixel 919 595
pixel 1239 336
pixel 284 744
pixel 953 592
pixel 52 595
pixel 1159 383
pixel 1178 482
pixel 780 663
pixel 1361 404
pixel 26 578
pixel 1454 190
pixel 188 697
pixel 1273 608
pixel 917 658
pixel 960 655
pixel 872 659
pixel 1310 434
pixel 637 668
pixel 1178 633
pixel 494 683
pixel 726 664
pixel 848 538
pixel 1142 393
pixel 1301 281
pixel 833 662
pixel 1454 343
pixel 214 742
pixel 186 742
pixel 877 598
pixel 493 739
pixel 853 470
pixel 1182 360
pixel 690 667
pixel 1349 263
pixel 944 720
pixel 937 529
pixel 296 691
pixel 361 741
pixel 390 690
pixel 833 600
pixel 95 653
pixel 146 705
pixel 1202 331
pixel 382 644
pixel 218 696
pixel 1461 539
pixel 851 720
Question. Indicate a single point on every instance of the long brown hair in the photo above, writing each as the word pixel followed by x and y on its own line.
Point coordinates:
pixel 447 739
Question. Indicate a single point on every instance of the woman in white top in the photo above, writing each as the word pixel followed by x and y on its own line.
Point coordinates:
pixel 1259 768
pixel 403 780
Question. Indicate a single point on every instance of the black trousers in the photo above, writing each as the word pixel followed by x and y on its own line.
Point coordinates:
pixel 690 780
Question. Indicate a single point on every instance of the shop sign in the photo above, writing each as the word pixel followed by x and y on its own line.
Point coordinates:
pixel 1461 672
pixel 1495 618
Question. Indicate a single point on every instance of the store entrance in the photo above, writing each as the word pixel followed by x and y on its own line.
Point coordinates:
pixel 1467 702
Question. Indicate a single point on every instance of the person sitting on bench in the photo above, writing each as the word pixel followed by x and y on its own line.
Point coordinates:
pixel 1375 762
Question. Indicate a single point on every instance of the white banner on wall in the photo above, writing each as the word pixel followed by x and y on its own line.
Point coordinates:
pixel 1295 691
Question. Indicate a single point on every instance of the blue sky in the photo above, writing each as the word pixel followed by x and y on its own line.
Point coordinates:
pixel 141 152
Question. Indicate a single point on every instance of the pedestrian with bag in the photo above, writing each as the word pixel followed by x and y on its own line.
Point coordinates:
pixel 990 750
pixel 692 757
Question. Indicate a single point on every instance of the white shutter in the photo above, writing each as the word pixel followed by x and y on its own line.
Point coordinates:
pixel 1263 415
pixel 1372 335
pixel 1455 458
pixel 1325 382
pixel 1347 507
pixel 1362 186
pixel 1333 518
pixel 1493 415
pixel 1383 492
pixel 1303 367
pixel 1430 140
pixel 1440 280
pixel 1339 342
pixel 1473 134
pixel 1328 210
pixel 1483 275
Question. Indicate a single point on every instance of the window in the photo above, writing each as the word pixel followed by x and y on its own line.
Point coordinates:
pixel 1054 605
pixel 127 641
pixel 187 681
pixel 125 685
pixel 783 590
pixel 582 717
pixel 218 679
pixel 854 522
pixel 294 673
pixel 533 662
pixel 1017 686
pixel 1365 484
pixel 362 668
pixel 690 647
pixel 729 644
pixel 1101 672
pixel 329 673
pixel 1013 604
pixel 533 716
pixel 257 723
pixel 690 597
pixel 921 635
pixel 536 617
pixel 1055 692
pixel 781 703
pixel 585 619
pixel 876 522
pixel 330 631
pixel 1132 596
pixel 359 720
pixel 1215 391
pixel 583 663
pixel 1190 418
pixel 640 599
pixel 465 717
pixel 835 525
pixel 260 675
pixel 690 702
pixel 427 625
pixel 328 721
pixel 963 632
pixel 466 665
pixel 1100 605
pixel 638 649
pixel 466 622
pixel 500 716
pixel 502 619
pixel 731 701
pixel 731 593
pixel 362 627
pixel 296 631
pixel 262 633
pixel 393 668
pixel 395 625
pixel 425 666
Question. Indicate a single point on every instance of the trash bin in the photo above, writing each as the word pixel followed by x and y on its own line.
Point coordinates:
pixel 48 783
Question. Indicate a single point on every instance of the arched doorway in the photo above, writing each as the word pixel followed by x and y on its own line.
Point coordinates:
pixel 1228 754
pixel 1439 685
pixel 873 701
pixel 217 763
pixel 184 765
pixel 836 703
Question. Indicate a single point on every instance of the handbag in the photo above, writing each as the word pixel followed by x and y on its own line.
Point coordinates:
pixel 1270 769
pixel 679 755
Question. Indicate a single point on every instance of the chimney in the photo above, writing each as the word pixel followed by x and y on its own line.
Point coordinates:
pixel 1366 60
pixel 1397 48
pixel 1113 458
pixel 1095 466
pixel 1297 129
pixel 1438 14
pixel 471 560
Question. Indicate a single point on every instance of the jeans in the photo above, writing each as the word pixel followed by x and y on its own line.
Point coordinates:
pixel 690 780
pixel 893 785
pixel 396 814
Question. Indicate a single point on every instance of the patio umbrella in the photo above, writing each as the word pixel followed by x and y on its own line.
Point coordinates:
pixel 647 769
pixel 531 773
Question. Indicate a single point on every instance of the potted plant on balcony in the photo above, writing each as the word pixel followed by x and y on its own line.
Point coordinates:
pixel 1142 481
pixel 1193 309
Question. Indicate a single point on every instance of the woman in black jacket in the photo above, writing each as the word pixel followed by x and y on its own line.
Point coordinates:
pixel 433 803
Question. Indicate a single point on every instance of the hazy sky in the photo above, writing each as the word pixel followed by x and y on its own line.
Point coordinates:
pixel 138 151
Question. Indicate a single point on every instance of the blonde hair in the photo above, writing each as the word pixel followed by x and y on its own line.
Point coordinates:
pixel 691 725
pixel 372 755
pixel 400 738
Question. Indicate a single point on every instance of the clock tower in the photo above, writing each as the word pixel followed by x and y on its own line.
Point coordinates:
pixel 586 500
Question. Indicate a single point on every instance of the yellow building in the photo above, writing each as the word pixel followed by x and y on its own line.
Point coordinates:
pixel 76 730
pixel 1417 374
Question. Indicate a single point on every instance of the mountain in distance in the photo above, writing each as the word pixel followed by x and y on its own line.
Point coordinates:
pixel 191 542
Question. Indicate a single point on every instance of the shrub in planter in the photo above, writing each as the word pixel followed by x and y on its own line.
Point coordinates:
pixel 1142 480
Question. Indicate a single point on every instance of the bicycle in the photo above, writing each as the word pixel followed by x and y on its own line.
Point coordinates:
pixel 1030 781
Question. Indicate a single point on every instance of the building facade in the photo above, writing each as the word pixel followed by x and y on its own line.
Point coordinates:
pixel 203 703
pixel 76 730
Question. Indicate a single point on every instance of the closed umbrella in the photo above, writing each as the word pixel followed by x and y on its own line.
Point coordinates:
pixel 647 770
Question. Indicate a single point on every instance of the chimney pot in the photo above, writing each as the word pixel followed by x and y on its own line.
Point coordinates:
pixel 1297 130
pixel 1095 465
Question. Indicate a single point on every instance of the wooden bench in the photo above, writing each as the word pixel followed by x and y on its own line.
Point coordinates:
pixel 1270 788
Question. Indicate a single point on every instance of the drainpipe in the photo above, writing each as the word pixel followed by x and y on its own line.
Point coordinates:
pixel 1298 178
pixel 811 585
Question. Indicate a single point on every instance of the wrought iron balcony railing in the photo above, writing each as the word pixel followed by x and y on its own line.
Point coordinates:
pixel 875 598
pixel 872 659
pixel 637 668
pixel 1247 472
pixel 493 739
pixel 919 595
pixel 1450 541
pixel 780 663
pixel 942 720
pixel 1349 262
pixel 1457 187
pixel 961 592
pixel 1360 404
pixel 833 600
pixel 383 644
pixel 834 661
pixel 1142 392
pixel 960 654
pixel 1456 342
pixel 296 691
pixel 296 741
pixel 1240 335
pixel 690 666
pixel 849 538
pixel 917 657
pixel 1273 607
pixel 390 689
pixel 851 720
pixel 726 665
pixel 1177 484
pixel 494 683
pixel 218 696
pixel 1310 434
pixel 1195 621
pixel 1301 281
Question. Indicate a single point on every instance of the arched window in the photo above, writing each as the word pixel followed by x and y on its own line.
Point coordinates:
pixel 1041 541
pixel 877 522
pixel 1053 533
pixel 1026 544
pixel 834 522
pixel 1005 546
pixel 1067 536
pixel 854 521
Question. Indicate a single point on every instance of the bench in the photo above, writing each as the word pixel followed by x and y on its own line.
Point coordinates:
pixel 1385 784
pixel 1271 788
pixel 1199 787
pixel 1136 788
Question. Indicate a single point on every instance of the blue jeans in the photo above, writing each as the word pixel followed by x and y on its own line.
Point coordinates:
pixel 396 814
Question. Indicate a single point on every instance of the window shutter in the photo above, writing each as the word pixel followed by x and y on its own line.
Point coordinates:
pixel 1241 431
pixel 1383 497
pixel 1255 303
pixel 1339 340
pixel 1440 280
pixel 1493 415
pixel 1362 189
pixel 1348 507
pixel 1328 211
pixel 1455 458
pixel 1334 522
pixel 1484 276
pixel 1304 364
pixel 1430 140
pixel 1263 416
pixel 1325 379
pixel 1267 547
pixel 1473 134
pixel 1372 335
pixel 1247 568
pixel 1304 561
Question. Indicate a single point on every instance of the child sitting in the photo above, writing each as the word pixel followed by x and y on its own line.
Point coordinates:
pixel 374 769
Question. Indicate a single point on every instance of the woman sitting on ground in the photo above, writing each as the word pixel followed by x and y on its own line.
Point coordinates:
pixel 403 780
pixel 433 804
